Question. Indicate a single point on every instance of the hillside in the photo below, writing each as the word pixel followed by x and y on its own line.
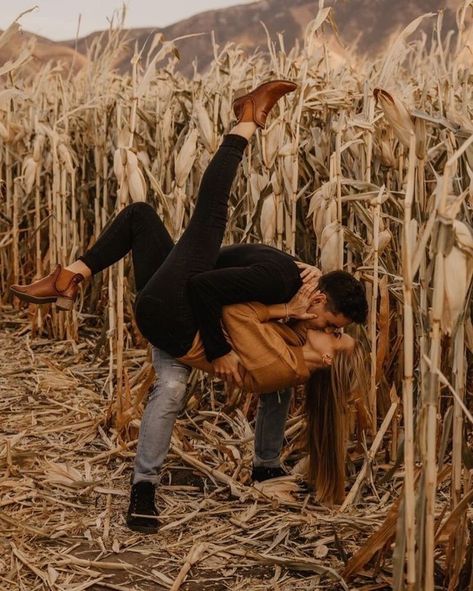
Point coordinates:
pixel 368 24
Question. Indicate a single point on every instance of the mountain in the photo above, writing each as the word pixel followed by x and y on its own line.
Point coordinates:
pixel 367 23
pixel 44 50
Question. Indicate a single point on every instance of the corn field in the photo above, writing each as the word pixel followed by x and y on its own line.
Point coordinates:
pixel 367 167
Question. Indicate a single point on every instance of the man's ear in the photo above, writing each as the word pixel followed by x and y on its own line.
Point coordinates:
pixel 320 297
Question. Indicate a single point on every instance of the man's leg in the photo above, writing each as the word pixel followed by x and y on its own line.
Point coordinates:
pixel 164 404
pixel 271 418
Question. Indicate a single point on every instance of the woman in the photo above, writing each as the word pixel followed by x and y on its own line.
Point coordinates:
pixel 273 355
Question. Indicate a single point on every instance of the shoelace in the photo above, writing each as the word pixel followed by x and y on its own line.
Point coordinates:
pixel 144 503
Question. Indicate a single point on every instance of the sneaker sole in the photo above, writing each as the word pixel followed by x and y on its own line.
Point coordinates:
pixel 143 529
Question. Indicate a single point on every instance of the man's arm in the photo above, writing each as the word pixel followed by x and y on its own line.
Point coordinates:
pixel 212 290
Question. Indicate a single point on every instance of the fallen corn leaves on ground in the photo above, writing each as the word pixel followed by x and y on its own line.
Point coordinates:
pixel 65 483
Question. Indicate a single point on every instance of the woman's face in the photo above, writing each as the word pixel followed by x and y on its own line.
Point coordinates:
pixel 336 342
pixel 344 343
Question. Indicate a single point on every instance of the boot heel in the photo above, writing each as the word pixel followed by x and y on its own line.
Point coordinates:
pixel 64 303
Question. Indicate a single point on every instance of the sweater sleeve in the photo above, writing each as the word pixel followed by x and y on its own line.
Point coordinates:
pixel 270 352
pixel 212 290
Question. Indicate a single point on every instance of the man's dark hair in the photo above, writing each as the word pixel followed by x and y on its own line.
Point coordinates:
pixel 345 295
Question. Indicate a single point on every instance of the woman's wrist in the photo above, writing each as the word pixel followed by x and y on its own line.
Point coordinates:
pixel 279 312
pixel 287 317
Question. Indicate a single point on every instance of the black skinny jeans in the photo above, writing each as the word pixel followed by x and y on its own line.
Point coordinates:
pixel 163 308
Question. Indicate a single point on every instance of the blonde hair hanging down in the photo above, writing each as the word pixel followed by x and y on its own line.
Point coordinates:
pixel 330 394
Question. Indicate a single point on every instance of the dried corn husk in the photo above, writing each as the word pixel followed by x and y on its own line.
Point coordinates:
pixel 38 146
pixel 206 128
pixel 118 167
pixel 384 239
pixel 29 173
pixel 397 115
pixel 225 110
pixel 330 247
pixel 134 178
pixel 289 166
pixel 184 161
pixel 268 219
pixel 143 157
pixel 179 198
pixel 387 153
pixel 136 184
pixel 131 161
pixel 123 193
pixel 62 473
pixel 421 138
pixel 271 141
pixel 130 178
pixel 65 157
pixel 458 269
pixel 279 488
pixel 258 183
pixel 323 208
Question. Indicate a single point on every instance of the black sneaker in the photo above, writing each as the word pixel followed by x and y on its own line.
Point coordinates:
pixel 142 513
pixel 261 473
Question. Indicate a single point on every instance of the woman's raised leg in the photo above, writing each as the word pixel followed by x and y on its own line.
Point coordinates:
pixel 163 310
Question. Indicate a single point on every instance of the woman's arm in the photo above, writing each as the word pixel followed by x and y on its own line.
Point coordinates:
pixel 270 352
pixel 297 307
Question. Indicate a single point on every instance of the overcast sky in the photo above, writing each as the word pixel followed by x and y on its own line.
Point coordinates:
pixel 57 19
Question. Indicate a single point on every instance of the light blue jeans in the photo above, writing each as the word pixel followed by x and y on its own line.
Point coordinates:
pixel 166 401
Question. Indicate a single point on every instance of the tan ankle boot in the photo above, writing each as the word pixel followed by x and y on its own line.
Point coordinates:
pixel 256 105
pixel 60 286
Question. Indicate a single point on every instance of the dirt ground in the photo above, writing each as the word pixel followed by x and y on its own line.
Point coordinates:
pixel 65 478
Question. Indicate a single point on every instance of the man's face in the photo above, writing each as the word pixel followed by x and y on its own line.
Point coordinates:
pixel 325 319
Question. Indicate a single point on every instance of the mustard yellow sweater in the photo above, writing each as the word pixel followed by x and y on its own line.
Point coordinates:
pixel 270 352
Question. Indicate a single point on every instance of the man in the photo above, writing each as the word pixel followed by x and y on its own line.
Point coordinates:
pixel 243 272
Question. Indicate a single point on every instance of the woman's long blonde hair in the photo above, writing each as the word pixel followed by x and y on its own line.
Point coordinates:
pixel 330 393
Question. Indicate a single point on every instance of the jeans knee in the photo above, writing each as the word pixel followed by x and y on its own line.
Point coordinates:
pixel 171 394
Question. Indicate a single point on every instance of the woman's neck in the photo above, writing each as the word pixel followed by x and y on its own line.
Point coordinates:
pixel 316 345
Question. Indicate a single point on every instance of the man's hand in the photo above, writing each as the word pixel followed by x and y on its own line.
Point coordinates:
pixel 227 368
pixel 309 274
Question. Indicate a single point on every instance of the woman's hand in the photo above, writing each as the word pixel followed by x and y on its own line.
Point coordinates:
pixel 309 274
pixel 298 306
pixel 227 368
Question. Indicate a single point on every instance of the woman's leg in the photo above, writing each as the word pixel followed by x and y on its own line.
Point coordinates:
pixel 199 246
pixel 163 311
pixel 138 228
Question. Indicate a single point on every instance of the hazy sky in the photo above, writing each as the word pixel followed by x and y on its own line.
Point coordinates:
pixel 57 19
